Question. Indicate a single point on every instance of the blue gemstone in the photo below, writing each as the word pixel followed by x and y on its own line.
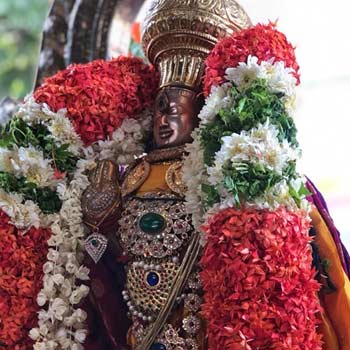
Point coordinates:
pixel 152 279
pixel 158 346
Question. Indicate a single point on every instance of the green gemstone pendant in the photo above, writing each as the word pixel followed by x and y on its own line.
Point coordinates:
pixel 152 223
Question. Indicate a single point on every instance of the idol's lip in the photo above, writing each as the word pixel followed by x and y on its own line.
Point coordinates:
pixel 165 134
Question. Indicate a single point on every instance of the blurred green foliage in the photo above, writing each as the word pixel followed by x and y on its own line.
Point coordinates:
pixel 21 24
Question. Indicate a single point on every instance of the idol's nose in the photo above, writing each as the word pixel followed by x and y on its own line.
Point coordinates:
pixel 164 120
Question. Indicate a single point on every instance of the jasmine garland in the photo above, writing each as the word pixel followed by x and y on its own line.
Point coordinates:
pixel 39 158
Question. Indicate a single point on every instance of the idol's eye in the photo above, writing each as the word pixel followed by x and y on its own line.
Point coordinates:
pixel 172 110
pixel 163 103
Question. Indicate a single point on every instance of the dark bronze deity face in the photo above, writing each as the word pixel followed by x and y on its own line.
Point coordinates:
pixel 175 116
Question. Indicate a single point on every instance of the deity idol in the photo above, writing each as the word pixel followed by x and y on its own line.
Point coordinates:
pixel 156 240
pixel 155 236
pixel 207 239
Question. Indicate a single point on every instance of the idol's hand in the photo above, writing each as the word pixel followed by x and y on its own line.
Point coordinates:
pixel 101 202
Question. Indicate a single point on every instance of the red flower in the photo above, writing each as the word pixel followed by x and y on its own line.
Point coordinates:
pixel 260 291
pixel 99 95
pixel 262 41
pixel 22 256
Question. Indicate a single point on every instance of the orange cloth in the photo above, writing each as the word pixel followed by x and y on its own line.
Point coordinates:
pixel 336 315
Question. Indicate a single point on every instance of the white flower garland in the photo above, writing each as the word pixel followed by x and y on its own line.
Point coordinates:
pixel 30 163
pixel 194 175
pixel 61 323
pixel 259 145
pixel 127 142
pixel 60 127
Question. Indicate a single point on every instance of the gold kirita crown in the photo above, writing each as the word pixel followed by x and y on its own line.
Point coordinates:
pixel 178 35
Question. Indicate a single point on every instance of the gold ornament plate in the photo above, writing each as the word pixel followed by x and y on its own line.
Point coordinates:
pixel 135 178
pixel 174 180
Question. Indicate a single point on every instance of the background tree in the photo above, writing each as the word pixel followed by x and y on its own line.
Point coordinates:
pixel 21 24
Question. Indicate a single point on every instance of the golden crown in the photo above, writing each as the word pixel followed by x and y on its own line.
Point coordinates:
pixel 178 35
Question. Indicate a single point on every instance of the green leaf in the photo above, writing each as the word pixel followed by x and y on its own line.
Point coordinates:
pixel 211 195
pixel 247 181
pixel 47 199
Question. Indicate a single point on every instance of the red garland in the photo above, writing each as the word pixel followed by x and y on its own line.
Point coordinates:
pixel 101 94
pixel 260 291
pixel 262 41
pixel 22 256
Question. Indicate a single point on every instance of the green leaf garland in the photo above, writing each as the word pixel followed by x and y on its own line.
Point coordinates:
pixel 251 105
pixel 19 133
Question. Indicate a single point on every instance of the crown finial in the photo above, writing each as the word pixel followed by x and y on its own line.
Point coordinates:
pixel 178 35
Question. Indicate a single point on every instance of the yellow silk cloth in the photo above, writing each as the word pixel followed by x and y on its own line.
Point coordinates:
pixel 336 314
pixel 156 179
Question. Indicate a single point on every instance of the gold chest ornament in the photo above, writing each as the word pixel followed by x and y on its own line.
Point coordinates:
pixel 155 231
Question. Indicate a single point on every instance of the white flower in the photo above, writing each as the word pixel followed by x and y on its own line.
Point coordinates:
pixel 63 132
pixel 44 316
pixel 80 335
pixel 60 127
pixel 77 347
pixel 58 279
pixel 78 294
pixel 51 345
pixel 43 329
pixel 34 334
pixel 127 142
pixel 41 299
pixel 58 308
pixel 278 77
pixel 30 163
pixel 48 267
pixel 24 215
pixel 82 273
pixel 219 98
pixel 71 267
pixel 79 316
pixel 6 159
pixel 258 146
pixel 63 268
pixel 30 111
pixel 244 73
pixel 66 288
pixel 61 334
pixel 40 346
pixel 53 255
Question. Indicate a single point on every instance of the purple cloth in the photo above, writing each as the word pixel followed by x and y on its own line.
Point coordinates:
pixel 317 199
